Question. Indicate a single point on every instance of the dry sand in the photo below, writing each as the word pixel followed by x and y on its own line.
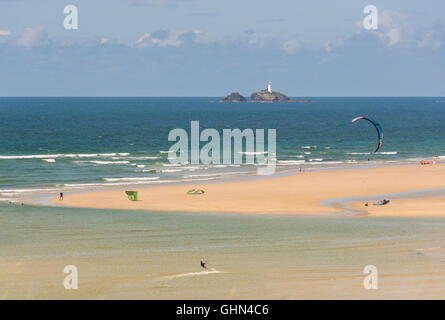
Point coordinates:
pixel 300 193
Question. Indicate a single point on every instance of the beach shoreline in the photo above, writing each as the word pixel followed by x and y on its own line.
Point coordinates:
pixel 309 193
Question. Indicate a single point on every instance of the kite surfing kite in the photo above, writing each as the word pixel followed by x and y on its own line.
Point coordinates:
pixel 377 127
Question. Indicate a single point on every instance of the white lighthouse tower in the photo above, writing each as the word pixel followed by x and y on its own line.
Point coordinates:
pixel 269 87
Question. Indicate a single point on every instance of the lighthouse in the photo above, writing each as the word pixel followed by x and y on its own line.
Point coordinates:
pixel 269 87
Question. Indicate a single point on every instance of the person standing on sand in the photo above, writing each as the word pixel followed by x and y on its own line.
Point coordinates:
pixel 434 159
pixel 61 196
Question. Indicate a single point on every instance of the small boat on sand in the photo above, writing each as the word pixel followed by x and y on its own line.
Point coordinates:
pixel 381 202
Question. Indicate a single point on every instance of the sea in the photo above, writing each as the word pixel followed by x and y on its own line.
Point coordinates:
pixel 57 144
pixel 52 145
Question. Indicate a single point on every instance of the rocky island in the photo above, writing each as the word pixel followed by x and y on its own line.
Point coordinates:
pixel 266 95
pixel 233 97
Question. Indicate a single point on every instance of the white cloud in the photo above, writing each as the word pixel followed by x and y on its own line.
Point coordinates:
pixel 158 3
pixel 5 33
pixel 394 36
pixel 434 38
pixel 291 46
pixel 31 37
pixel 167 38
pixel 143 37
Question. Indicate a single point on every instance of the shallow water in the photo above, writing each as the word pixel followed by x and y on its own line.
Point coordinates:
pixel 128 254
pixel 54 144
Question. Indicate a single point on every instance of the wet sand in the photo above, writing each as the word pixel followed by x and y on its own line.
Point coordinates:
pixel 299 193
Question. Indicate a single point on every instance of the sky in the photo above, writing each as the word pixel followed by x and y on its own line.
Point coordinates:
pixel 211 48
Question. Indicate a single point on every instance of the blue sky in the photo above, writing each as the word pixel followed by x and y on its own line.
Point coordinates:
pixel 210 48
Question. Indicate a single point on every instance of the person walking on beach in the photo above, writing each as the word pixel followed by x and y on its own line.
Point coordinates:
pixel 61 196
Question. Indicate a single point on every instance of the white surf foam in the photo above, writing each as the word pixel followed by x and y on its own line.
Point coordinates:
pixel 61 155
pixel 142 158
pixel 103 162
pixel 252 153
pixel 118 183
pixel 388 152
pixel 172 170
pixel 173 164
pixel 290 162
pixel 213 174
pixel 132 179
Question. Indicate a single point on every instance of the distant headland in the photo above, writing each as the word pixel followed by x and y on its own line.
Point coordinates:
pixel 265 95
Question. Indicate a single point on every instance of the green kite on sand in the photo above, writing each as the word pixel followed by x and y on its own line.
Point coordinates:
pixel 132 195
pixel 195 191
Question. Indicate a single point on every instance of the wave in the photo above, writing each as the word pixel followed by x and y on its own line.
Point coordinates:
pixel 291 162
pixel 172 170
pixel 49 160
pixel 251 153
pixel 173 164
pixel 319 159
pixel 103 162
pixel 117 183
pixel 61 155
pixel 388 152
pixel 358 153
pixel 88 155
pixel 34 156
pixel 327 162
pixel 213 174
pixel 131 179
pixel 142 158
pixel 15 192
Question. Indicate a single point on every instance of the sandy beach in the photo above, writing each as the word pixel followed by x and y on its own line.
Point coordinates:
pixel 299 193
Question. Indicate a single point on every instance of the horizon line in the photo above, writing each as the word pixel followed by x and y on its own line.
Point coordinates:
pixel 179 96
